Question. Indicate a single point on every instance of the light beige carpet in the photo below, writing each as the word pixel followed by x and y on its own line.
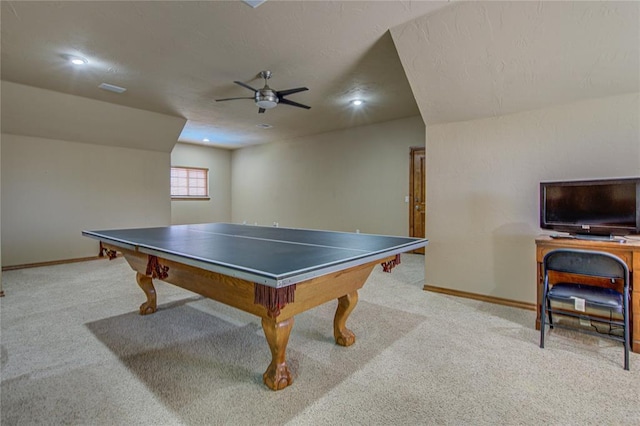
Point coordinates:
pixel 75 351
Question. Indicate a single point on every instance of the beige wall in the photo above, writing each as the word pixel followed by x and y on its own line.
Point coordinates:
pixel 71 163
pixel 218 208
pixel 482 186
pixel 1 215
pixel 346 180
pixel 53 189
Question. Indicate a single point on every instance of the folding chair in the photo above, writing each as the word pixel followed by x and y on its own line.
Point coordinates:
pixel 592 286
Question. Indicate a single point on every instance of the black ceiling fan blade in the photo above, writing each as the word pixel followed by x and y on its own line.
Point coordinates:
pixel 295 104
pixel 282 93
pixel 245 85
pixel 261 110
pixel 232 99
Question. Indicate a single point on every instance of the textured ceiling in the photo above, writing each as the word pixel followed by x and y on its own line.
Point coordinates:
pixel 177 57
pixel 482 59
pixel 445 61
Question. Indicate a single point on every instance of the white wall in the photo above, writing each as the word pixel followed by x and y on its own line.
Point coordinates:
pixel 53 189
pixel 218 207
pixel 482 186
pixel 345 180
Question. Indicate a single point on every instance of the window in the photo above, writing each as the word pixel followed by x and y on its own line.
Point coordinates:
pixel 189 183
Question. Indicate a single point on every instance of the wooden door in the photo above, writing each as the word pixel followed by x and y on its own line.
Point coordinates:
pixel 417 204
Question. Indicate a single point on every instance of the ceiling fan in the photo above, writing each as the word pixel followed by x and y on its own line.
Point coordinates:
pixel 267 98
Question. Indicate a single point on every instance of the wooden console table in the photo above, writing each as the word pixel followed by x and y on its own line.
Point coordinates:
pixel 628 251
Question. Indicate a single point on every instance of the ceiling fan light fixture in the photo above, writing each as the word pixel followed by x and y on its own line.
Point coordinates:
pixel 266 98
pixel 266 104
pixel 357 102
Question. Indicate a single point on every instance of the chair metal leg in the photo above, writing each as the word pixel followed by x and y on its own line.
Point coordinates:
pixel 543 315
pixel 626 356
pixel 627 337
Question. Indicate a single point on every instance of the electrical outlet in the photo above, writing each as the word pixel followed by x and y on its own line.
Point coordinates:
pixel 585 322
pixel 579 304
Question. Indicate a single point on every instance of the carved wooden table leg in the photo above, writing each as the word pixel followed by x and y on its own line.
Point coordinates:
pixel 146 284
pixel 343 335
pixel 277 375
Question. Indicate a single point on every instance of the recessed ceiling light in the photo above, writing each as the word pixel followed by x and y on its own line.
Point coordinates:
pixel 77 60
pixel 264 126
pixel 357 102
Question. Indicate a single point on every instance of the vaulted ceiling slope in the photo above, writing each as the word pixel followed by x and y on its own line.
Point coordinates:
pixel 176 58
pixel 445 61
pixel 29 111
pixel 483 59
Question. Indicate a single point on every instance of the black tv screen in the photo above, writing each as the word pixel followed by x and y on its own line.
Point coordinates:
pixel 596 207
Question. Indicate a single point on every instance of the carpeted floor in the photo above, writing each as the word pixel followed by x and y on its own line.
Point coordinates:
pixel 75 351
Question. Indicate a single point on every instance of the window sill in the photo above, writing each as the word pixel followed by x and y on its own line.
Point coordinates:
pixel 190 198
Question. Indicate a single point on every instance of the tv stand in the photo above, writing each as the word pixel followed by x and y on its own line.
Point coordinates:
pixel 629 252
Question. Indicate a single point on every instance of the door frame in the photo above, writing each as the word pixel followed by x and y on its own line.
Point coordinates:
pixel 412 196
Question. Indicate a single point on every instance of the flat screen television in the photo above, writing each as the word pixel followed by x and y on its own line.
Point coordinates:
pixel 600 208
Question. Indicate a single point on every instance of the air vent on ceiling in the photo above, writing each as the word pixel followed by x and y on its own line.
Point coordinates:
pixel 112 88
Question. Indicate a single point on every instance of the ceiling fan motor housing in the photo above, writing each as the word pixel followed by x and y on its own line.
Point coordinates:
pixel 266 98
